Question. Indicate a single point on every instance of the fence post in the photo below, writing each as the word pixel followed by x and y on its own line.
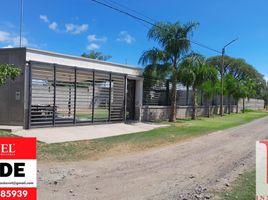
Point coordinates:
pixel 110 96
pixel 75 80
pixel 93 97
pixel 29 103
pixel 54 95
pixel 125 98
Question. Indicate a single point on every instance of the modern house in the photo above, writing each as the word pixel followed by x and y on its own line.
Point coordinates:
pixel 55 89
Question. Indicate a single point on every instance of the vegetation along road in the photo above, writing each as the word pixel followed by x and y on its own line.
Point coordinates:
pixel 199 168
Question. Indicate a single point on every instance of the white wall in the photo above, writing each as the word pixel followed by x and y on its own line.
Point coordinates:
pixel 49 57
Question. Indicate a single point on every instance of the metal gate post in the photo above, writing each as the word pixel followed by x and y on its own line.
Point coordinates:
pixel 75 80
pixel 93 97
pixel 125 98
pixel 54 95
pixel 29 114
pixel 110 96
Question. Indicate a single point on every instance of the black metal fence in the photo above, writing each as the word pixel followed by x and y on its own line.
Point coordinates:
pixel 158 93
pixel 70 95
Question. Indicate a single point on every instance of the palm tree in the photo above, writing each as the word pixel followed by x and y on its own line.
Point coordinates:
pixel 173 45
pixel 247 90
pixel 209 89
pixel 186 77
pixel 229 88
pixel 237 94
pixel 153 74
pixel 96 55
pixel 197 65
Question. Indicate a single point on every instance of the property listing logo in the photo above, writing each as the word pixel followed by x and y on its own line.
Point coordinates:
pixel 7 149
pixel 18 168
pixel 262 170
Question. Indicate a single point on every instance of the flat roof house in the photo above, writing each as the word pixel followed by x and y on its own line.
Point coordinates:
pixel 55 89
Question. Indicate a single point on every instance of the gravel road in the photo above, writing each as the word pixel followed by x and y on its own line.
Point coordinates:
pixel 194 169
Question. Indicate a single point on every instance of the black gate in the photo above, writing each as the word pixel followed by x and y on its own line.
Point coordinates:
pixel 70 95
pixel 131 87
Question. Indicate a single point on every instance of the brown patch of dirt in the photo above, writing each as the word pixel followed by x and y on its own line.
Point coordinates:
pixel 193 169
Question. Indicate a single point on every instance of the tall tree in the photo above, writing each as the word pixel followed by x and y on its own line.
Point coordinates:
pixel 197 65
pixel 229 89
pixel 8 71
pixel 265 95
pixel 209 89
pixel 247 89
pixel 237 93
pixel 237 73
pixel 173 44
pixel 96 55
pixel 186 77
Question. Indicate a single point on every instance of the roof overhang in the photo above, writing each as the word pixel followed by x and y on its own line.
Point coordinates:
pixel 80 62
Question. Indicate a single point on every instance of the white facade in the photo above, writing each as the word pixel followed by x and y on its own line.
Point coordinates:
pixel 75 61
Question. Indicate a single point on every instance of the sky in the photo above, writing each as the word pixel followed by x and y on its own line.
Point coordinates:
pixel 77 26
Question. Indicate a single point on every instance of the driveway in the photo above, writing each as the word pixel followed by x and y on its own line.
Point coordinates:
pixel 194 169
pixel 76 133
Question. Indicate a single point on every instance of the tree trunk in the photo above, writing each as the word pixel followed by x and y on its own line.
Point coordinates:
pixel 194 104
pixel 243 105
pixel 173 107
pixel 237 101
pixel 208 109
pixel 187 95
pixel 229 104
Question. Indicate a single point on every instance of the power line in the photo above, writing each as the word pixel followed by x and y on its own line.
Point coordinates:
pixel 21 20
pixel 124 12
pixel 134 11
pixel 204 46
pixel 143 24
pixel 145 21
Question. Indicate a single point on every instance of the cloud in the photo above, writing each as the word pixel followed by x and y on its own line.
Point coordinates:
pixel 75 28
pixel 12 40
pixel 93 38
pixel 53 26
pixel 69 28
pixel 4 36
pixel 93 46
pixel 16 41
pixel 95 42
pixel 44 18
pixel 8 46
pixel 125 37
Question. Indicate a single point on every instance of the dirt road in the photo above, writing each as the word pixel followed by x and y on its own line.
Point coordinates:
pixel 194 169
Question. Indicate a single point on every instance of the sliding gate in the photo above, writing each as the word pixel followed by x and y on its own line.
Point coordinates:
pixel 65 95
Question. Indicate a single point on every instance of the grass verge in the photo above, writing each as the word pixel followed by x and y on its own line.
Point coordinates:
pixel 243 189
pixel 181 130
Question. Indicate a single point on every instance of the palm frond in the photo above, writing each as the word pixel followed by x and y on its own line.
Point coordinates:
pixel 152 56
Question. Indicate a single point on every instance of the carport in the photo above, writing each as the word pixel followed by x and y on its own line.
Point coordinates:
pixel 59 90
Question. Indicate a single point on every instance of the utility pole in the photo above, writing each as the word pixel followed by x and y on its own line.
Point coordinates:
pixel 21 20
pixel 222 73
